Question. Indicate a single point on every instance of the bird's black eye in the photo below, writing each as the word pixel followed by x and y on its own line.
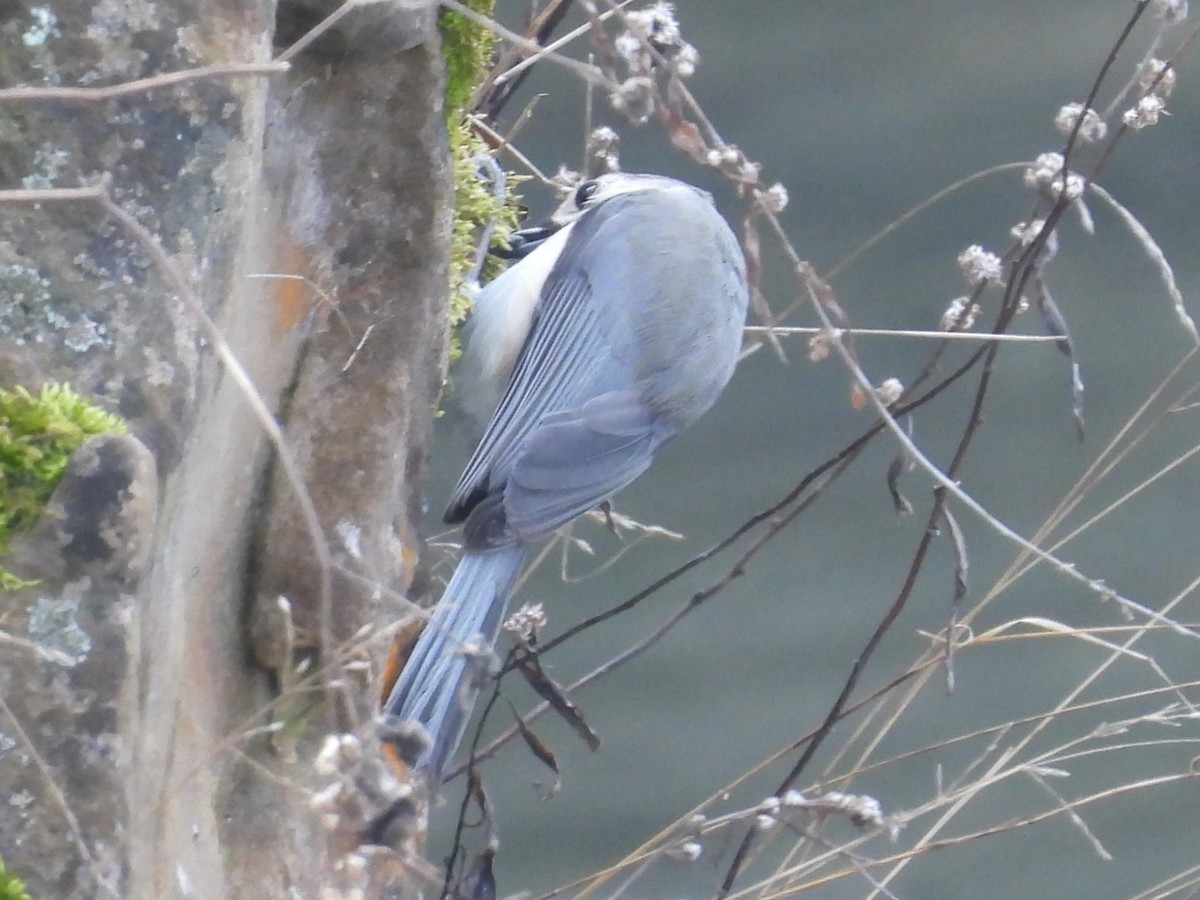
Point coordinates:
pixel 586 192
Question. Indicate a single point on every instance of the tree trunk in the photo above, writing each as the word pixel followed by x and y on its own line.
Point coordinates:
pixel 140 682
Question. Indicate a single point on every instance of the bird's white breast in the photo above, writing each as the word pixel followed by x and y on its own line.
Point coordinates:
pixel 499 325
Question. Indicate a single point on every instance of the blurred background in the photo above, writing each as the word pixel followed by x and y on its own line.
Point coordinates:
pixel 863 109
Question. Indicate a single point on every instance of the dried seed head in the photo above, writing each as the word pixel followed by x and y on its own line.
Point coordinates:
pixel 1046 177
pixel 604 146
pixel 1169 11
pixel 687 852
pixel 862 808
pixel 656 24
pixel 978 265
pixel 1027 232
pixel 818 347
pixel 1150 70
pixel 684 62
pixel 655 28
pixel 634 97
pixel 794 798
pixel 1146 112
pixel 1091 127
pixel 731 159
pixel 603 137
pixel 628 47
pixel 959 315
pixel 526 622
pixel 890 391
pixel 775 198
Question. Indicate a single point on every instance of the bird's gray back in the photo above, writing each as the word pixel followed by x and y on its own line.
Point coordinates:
pixel 670 290
pixel 637 332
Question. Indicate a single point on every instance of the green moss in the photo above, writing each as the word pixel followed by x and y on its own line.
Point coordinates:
pixel 37 437
pixel 11 887
pixel 467 49
pixel 475 206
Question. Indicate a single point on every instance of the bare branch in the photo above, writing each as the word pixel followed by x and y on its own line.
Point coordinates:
pixel 125 88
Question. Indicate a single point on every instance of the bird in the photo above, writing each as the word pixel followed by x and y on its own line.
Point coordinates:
pixel 615 329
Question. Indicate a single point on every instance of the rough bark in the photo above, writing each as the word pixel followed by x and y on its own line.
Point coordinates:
pixel 128 757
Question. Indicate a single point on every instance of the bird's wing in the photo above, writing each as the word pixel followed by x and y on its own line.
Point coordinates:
pixel 572 427
pixel 577 458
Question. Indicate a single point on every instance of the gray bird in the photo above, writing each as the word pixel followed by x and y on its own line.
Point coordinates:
pixel 595 349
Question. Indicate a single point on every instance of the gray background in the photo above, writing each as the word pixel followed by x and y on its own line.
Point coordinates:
pixel 863 109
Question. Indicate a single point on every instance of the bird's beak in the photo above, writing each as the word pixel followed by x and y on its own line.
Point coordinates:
pixel 526 240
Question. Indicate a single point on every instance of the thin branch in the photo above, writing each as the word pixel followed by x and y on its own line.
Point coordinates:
pixel 125 88
pixel 552 47
pixel 903 333
pixel 589 73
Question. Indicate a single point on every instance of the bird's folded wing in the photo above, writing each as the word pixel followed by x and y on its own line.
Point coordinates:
pixel 572 427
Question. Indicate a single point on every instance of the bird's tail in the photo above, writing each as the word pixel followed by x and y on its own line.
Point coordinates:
pixel 445 670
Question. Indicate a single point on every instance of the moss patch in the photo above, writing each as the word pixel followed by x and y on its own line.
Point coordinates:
pixel 11 887
pixel 468 53
pixel 37 437
pixel 467 49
